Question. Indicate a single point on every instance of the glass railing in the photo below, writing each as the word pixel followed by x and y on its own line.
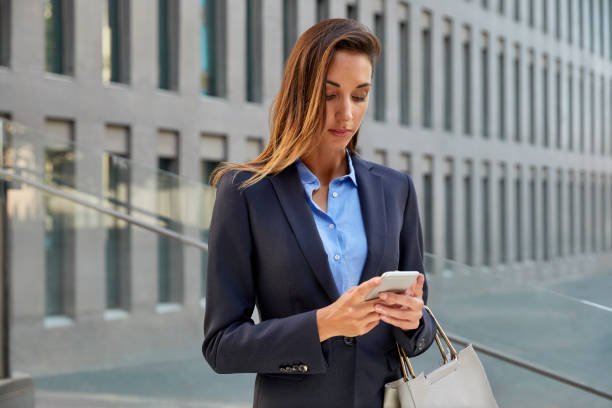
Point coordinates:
pixel 117 299
pixel 112 180
pixel 540 326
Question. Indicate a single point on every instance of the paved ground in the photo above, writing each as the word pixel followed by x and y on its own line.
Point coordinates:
pixel 538 326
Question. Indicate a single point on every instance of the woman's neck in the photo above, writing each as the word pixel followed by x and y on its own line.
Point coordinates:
pixel 327 165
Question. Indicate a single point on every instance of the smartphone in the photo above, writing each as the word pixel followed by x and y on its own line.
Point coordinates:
pixel 394 281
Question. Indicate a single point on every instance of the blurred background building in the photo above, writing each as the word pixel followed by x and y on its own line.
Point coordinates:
pixel 499 109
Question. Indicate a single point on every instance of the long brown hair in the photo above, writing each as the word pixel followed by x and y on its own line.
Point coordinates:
pixel 298 112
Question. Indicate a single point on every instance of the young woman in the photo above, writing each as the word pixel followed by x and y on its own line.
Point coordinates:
pixel 303 233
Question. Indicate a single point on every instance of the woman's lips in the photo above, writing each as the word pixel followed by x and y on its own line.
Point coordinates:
pixel 340 132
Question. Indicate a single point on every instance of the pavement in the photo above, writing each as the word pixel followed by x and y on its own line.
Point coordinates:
pixel 550 326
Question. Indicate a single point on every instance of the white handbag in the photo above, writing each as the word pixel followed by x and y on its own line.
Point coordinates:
pixel 459 382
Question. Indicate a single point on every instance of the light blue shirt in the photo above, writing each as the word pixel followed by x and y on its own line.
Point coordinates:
pixel 341 228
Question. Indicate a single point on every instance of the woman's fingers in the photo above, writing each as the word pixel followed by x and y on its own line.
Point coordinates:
pixel 417 286
pixel 413 313
pixel 402 324
pixel 400 299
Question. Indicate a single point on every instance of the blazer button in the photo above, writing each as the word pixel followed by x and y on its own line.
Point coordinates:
pixel 349 341
pixel 303 368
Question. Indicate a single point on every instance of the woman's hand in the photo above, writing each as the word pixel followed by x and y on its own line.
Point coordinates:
pixel 350 315
pixel 403 310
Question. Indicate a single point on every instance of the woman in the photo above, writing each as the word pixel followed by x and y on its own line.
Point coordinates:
pixel 304 231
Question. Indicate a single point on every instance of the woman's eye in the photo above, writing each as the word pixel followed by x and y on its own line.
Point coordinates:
pixel 330 97
pixel 359 98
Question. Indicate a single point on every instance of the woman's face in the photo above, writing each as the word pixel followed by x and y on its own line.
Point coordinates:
pixel 346 91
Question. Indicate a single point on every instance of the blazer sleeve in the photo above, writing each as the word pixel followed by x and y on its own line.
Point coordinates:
pixel 418 340
pixel 233 343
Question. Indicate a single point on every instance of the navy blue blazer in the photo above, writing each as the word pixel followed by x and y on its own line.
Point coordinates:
pixel 265 250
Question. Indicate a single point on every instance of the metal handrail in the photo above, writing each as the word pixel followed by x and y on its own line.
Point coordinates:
pixel 491 352
pixel 4 173
pixel 204 247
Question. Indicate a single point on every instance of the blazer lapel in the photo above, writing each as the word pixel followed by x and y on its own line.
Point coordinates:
pixel 291 195
pixel 372 200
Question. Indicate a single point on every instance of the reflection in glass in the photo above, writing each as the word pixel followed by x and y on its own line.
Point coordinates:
pixel 169 251
pixel 117 243
pixel 54 36
pixel 59 233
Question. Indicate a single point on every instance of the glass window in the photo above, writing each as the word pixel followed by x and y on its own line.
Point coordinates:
pixel 404 67
pixel 59 221
pixel 602 115
pixel 351 11
pixel 213 44
pixel 581 23
pixel 380 157
pixel 517 10
pixel 501 83
pixel 531 11
pixel 560 235
pixel 570 21
pixel 5 32
pixel 583 216
pixel 593 212
pixel 591 26
pixel 322 10
pixel 168 33
pixel 544 15
pixel 379 72
pixel 601 28
pixel 427 70
pixel 484 63
pixel 289 26
pixel 531 98
pixel 518 221
pixel 448 74
pixel 169 251
pixel 517 95
pixel 428 210
pixel 570 102
pixel 254 51
pixel 558 98
pixel 486 222
pixel 503 244
pixel 592 109
pixel 545 110
pixel 533 219
pixel 115 41
pixel 448 204
pixel 467 196
pixel 558 19
pixel 609 25
pixel 58 36
pixel 467 81
pixel 545 223
pixel 117 244
pixel 571 202
pixel 116 187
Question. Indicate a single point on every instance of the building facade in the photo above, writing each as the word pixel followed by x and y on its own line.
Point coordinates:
pixel 499 109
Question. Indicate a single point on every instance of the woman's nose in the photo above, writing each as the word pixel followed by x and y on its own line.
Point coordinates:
pixel 344 109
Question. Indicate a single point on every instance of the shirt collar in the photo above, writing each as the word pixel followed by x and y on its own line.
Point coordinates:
pixel 307 177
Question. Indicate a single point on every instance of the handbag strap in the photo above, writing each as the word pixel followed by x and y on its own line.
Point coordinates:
pixel 440 335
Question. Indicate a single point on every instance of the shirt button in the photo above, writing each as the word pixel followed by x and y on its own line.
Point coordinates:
pixel 334 194
pixel 332 226
pixel 349 341
pixel 337 257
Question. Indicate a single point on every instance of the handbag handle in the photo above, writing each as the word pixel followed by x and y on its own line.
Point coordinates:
pixel 440 333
